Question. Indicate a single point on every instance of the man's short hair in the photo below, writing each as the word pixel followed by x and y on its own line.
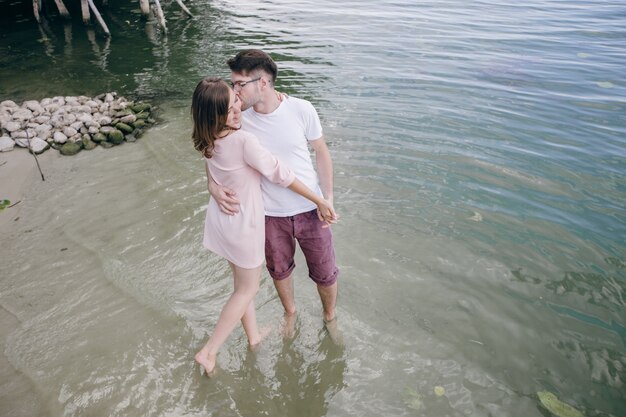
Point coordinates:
pixel 251 60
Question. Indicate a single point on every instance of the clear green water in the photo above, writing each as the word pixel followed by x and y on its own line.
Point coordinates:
pixel 480 160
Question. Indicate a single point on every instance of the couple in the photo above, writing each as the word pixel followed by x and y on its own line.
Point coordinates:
pixel 260 206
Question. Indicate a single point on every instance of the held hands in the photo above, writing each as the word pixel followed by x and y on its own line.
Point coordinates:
pixel 326 212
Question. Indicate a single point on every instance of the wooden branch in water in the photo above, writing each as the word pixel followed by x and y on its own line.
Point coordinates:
pixel 37 9
pixel 185 9
pixel 84 8
pixel 160 16
pixel 62 9
pixel 144 5
pixel 96 13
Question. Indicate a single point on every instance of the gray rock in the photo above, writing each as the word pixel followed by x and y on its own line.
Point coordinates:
pixel 20 134
pixel 104 120
pixel 106 144
pixel 38 145
pixel 107 129
pixel 69 131
pixel 128 118
pixel 130 138
pixel 8 103
pixel 77 125
pixel 22 114
pixel 42 119
pixel 6 144
pixel 22 142
pixel 59 137
pixel 12 126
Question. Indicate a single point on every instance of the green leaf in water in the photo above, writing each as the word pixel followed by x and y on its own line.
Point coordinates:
pixel 413 400
pixel 4 203
pixel 557 407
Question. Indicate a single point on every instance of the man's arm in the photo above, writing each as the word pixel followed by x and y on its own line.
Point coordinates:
pixel 324 165
pixel 225 197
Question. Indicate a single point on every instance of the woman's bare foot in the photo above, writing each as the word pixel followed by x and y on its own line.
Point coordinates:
pixel 263 333
pixel 207 361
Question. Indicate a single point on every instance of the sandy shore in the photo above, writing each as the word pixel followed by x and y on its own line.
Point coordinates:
pixel 18 170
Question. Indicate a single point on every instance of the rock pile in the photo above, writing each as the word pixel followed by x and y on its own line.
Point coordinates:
pixel 71 124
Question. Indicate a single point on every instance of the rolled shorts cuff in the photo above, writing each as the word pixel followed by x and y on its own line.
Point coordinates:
pixel 282 275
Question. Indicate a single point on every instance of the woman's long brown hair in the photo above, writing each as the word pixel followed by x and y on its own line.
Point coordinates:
pixel 209 109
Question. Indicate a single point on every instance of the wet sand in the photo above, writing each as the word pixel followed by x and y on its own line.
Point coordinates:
pixel 18 171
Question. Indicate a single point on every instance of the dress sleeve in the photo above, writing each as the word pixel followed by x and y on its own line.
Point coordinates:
pixel 263 161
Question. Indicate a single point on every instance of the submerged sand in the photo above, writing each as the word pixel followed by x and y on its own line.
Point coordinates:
pixel 18 169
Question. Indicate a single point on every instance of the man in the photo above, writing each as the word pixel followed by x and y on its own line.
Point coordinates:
pixel 285 126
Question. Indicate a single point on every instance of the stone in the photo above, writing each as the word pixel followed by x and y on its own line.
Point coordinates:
pixel 142 115
pixel 22 114
pixel 34 106
pixel 21 142
pixel 88 144
pixel 124 127
pixel 99 137
pixel 38 145
pixel 140 107
pixel 8 103
pixel 69 131
pixel 77 125
pixel 12 126
pixel 128 118
pixel 70 149
pixel 109 98
pixel 107 129
pixel 130 138
pixel 116 137
pixel 104 120
pixel 59 137
pixel 139 124
pixel 42 119
pixel 6 144
pixel 44 131
pixel 19 134
pixel 93 130
pixel 106 144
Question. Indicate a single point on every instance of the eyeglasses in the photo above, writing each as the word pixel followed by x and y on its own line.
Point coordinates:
pixel 241 84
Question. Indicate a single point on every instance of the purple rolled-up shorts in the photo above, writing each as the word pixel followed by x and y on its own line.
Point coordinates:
pixel 315 241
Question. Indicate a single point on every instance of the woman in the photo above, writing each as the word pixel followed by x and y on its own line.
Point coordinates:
pixel 236 160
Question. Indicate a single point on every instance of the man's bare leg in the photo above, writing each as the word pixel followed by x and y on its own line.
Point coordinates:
pixel 328 296
pixel 284 288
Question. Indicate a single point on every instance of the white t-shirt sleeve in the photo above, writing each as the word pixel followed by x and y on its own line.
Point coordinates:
pixel 313 126
pixel 263 161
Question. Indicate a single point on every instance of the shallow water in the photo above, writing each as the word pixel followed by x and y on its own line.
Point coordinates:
pixel 479 155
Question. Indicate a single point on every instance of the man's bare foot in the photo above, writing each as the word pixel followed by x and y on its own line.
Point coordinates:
pixel 263 333
pixel 207 361
pixel 335 334
pixel 288 328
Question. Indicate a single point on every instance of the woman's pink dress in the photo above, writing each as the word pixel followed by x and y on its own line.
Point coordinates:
pixel 238 162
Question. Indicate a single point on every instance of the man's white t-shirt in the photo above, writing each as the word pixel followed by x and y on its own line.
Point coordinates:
pixel 285 133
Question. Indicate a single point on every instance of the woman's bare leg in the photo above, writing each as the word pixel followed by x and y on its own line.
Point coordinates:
pixel 246 286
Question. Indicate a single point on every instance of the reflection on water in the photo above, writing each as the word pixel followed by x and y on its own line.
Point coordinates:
pixel 478 154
